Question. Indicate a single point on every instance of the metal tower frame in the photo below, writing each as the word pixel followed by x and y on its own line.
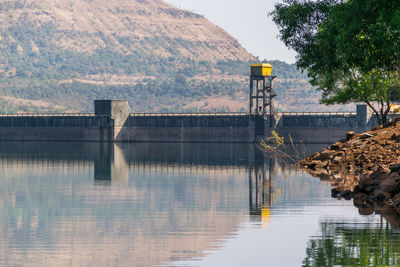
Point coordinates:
pixel 261 96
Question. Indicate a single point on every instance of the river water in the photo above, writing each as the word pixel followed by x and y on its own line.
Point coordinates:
pixel 91 204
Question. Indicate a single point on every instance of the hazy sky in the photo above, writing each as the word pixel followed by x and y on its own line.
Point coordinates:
pixel 246 20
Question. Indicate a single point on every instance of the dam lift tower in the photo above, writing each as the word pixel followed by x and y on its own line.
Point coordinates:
pixel 261 91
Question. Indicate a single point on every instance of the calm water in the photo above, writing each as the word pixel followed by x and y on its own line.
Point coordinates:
pixel 89 204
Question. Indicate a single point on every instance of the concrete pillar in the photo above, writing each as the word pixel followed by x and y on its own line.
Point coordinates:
pixel 112 115
pixel 362 116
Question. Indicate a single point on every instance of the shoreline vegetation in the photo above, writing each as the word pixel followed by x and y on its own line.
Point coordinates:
pixel 363 167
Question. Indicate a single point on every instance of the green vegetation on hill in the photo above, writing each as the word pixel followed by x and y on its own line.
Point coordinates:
pixel 49 75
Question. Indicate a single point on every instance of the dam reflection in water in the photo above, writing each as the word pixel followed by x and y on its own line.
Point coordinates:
pixel 153 204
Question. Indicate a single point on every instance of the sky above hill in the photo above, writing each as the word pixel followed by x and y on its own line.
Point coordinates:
pixel 246 20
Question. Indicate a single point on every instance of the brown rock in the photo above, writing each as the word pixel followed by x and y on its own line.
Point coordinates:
pixel 347 194
pixel 359 202
pixel 394 168
pixel 366 210
pixel 335 192
pixel 337 159
pixel 380 196
pixel 395 136
pixel 360 196
pixel 365 182
pixel 360 162
pixel 350 135
pixel 388 124
pixel 325 155
pixel 382 177
pixel 356 142
pixel 379 172
pixel 366 135
pixel 377 128
pixel 321 164
pixel 396 201
pixel 395 175
pixel 336 146
pixel 315 156
pixel 389 185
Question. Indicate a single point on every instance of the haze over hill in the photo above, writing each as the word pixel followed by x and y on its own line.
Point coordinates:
pixel 59 55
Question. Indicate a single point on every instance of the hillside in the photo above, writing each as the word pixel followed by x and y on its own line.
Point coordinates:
pixel 59 55
pixel 148 27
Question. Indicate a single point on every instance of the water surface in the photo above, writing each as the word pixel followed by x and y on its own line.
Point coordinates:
pixel 159 204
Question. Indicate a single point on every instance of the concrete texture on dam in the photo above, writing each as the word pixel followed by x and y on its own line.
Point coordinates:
pixel 112 122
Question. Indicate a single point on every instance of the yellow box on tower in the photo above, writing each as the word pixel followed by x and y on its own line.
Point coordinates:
pixel 261 69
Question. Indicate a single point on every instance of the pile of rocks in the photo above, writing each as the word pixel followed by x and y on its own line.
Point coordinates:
pixel 362 166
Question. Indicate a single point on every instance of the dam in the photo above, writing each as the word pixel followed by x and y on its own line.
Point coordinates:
pixel 112 122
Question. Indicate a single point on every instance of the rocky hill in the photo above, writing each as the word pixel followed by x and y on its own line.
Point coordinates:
pixel 59 55
pixel 150 27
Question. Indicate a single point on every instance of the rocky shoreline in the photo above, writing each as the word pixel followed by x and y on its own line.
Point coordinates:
pixel 364 167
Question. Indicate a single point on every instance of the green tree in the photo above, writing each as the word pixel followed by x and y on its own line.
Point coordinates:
pixel 349 49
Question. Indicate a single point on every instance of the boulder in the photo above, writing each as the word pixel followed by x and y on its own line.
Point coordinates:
pixel 360 196
pixel 366 135
pixel 380 196
pixel 357 190
pixel 324 155
pixel 360 200
pixel 336 146
pixel 350 135
pixel 369 189
pixel 396 201
pixel 347 194
pixel 394 168
pixel 356 142
pixel 321 164
pixel 379 172
pixel 388 124
pixel 395 136
pixel 366 210
pixel 335 192
pixel 365 182
pixel 337 159
pixel 389 185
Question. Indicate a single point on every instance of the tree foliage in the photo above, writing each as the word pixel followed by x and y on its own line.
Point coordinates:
pixel 350 49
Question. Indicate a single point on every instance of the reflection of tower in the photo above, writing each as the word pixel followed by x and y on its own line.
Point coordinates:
pixel 261 189
pixel 110 164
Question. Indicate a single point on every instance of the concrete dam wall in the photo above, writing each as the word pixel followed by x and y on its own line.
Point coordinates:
pixel 204 128
pixel 112 122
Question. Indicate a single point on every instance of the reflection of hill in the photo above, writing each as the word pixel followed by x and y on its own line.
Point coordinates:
pixel 53 212
pixel 131 204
